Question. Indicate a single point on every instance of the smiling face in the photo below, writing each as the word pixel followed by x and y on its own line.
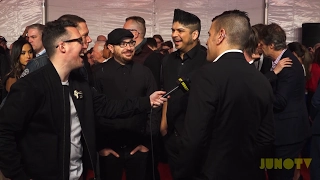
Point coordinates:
pixel 73 50
pixel 182 37
pixel 122 55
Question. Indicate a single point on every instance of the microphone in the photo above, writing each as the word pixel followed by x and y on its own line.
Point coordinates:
pixel 182 83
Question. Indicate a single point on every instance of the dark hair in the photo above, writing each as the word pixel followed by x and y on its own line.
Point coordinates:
pixel 152 42
pixel 73 18
pixel 16 66
pixel 237 26
pixel 168 43
pixel 252 43
pixel 274 34
pixel 302 52
pixel 187 19
pixel 258 27
pixel 52 32
pixel 140 21
pixel 158 36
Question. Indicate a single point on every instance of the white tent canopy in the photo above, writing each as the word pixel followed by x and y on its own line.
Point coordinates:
pixel 102 16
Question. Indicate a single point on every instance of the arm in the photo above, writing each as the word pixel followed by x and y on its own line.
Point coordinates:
pixel 315 104
pixel 104 107
pixel 272 75
pixel 17 110
pixel 203 100
pixel 164 124
pixel 9 83
pixel 285 85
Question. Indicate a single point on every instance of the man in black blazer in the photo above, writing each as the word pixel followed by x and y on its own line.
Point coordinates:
pixel 289 107
pixel 315 143
pixel 47 128
pixel 229 112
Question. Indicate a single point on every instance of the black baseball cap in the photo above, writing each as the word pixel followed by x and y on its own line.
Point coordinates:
pixel 116 36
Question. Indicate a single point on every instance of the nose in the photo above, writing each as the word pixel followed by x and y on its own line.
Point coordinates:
pixel 174 34
pixel 89 40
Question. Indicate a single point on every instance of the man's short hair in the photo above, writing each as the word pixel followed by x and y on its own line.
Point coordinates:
pixel 141 23
pixel 100 45
pixel 152 42
pixel 158 36
pixel 54 31
pixel 187 19
pixel 73 18
pixel 274 34
pixel 252 42
pixel 38 26
pixel 258 27
pixel 237 26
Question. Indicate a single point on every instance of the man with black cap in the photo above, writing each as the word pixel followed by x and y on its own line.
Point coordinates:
pixel 181 63
pixel 124 143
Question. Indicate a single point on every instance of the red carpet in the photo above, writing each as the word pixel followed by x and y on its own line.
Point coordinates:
pixel 166 175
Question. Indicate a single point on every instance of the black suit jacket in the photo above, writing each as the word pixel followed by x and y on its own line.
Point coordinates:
pixel 35 124
pixel 314 112
pixel 229 114
pixel 290 111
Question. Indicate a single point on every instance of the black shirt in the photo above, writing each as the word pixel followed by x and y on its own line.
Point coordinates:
pixel 118 82
pixel 173 67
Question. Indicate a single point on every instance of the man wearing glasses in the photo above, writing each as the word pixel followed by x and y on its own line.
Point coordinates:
pixel 143 54
pixel 47 128
pixel 124 143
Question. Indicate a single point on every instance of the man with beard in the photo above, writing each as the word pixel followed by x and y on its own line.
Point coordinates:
pixel 124 143
pixel 47 128
pixel 229 111
pixel 181 63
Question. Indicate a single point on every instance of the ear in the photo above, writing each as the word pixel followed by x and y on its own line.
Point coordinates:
pixel 271 46
pixel 61 48
pixel 111 48
pixel 221 36
pixel 195 35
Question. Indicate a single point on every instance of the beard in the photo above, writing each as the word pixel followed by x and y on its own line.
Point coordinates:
pixel 120 56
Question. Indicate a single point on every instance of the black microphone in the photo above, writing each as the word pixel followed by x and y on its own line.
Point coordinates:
pixel 182 83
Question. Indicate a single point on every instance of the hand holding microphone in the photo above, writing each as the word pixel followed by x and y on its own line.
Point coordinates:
pixel 182 83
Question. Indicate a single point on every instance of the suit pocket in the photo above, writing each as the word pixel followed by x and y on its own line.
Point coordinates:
pixel 288 115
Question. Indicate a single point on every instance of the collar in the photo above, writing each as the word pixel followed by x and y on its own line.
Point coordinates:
pixel 41 52
pixel 227 51
pixel 118 65
pixel 275 62
pixel 190 54
pixel 139 47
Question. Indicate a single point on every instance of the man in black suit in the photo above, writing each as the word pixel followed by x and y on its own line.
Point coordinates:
pixel 315 143
pixel 289 107
pixel 47 128
pixel 229 112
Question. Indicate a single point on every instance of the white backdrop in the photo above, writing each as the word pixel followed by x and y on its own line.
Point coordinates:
pixel 104 15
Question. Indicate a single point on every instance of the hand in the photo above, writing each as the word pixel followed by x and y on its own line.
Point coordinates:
pixel 140 148
pixel 285 62
pixel 156 99
pixel 25 31
pixel 107 152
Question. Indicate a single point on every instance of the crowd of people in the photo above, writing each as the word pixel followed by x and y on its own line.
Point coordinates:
pixel 72 113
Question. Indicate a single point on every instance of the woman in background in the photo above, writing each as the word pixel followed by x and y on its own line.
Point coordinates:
pixel 21 53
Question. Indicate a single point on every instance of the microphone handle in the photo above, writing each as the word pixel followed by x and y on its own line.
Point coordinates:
pixel 168 93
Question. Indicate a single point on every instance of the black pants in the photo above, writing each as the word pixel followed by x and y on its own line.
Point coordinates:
pixel 315 155
pixel 172 144
pixel 291 151
pixel 111 167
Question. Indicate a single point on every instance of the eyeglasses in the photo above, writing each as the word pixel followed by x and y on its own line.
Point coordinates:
pixel 124 44
pixel 79 40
